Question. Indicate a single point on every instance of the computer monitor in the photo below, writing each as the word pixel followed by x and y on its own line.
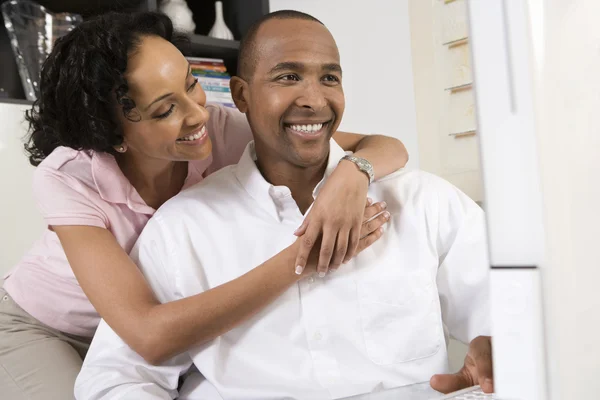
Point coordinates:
pixel 537 87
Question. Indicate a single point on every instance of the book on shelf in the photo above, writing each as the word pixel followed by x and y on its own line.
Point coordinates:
pixel 214 79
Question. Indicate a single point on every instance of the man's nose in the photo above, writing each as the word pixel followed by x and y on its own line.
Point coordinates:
pixel 312 97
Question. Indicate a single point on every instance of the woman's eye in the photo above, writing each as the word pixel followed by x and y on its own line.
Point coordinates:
pixel 166 114
pixel 193 85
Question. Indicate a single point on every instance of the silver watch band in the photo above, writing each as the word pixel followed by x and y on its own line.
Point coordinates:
pixel 363 165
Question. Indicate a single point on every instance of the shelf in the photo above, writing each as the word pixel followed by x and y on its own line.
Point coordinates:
pixel 206 46
pixel 6 100
pixel 88 8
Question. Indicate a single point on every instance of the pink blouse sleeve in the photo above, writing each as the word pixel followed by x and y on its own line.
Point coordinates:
pixel 63 200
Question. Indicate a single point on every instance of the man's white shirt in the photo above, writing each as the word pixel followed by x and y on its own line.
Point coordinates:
pixel 380 321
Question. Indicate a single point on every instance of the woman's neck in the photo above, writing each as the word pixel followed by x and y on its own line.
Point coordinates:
pixel 156 181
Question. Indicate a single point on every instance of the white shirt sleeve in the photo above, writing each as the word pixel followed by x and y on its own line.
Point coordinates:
pixel 463 274
pixel 112 370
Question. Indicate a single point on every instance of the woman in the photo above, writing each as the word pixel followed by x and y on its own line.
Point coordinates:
pixel 115 136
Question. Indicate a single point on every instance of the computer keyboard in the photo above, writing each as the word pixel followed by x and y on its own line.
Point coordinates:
pixel 473 393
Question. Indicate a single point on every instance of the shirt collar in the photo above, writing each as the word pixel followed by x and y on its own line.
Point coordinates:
pixel 114 187
pixel 266 194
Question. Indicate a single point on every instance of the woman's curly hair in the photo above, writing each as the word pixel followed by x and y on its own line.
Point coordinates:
pixel 83 79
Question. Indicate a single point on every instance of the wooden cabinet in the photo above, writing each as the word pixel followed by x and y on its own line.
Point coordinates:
pixel 445 102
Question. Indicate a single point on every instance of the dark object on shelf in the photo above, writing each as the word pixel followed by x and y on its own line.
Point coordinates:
pixel 32 30
pixel 238 15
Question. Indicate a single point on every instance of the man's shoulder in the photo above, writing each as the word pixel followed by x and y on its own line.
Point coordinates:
pixel 416 181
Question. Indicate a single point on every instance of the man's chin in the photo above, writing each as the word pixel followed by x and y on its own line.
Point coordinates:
pixel 312 157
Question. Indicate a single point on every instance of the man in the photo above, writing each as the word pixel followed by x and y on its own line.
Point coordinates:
pixel 378 322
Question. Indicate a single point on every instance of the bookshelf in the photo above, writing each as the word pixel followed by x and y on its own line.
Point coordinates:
pixel 238 15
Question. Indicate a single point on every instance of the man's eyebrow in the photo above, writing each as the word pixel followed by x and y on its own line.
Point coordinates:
pixel 164 96
pixel 298 66
pixel 333 67
pixel 287 65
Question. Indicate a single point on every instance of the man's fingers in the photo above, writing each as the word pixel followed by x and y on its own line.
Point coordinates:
pixel 369 240
pixel 481 352
pixel 327 246
pixel 341 249
pixel 448 383
pixel 373 210
pixel 306 244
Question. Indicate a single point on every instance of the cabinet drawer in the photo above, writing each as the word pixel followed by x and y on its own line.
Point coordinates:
pixel 453 20
pixel 458 65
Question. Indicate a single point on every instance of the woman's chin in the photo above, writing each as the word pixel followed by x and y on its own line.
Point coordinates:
pixel 196 152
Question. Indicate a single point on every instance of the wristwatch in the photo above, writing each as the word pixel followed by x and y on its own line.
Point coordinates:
pixel 363 165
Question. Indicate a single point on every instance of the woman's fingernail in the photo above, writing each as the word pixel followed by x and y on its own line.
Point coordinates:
pixel 381 230
pixel 383 204
pixel 369 201
pixel 321 274
pixel 386 215
pixel 299 270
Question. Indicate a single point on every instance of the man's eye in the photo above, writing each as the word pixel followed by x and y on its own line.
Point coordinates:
pixel 289 77
pixel 331 78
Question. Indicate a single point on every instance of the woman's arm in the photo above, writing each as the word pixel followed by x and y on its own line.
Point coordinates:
pixel 120 294
pixel 385 153
pixel 338 222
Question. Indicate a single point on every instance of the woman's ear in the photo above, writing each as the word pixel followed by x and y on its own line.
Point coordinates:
pixel 239 92
pixel 121 148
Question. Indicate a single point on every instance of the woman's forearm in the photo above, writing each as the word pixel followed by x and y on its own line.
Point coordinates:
pixel 182 324
pixel 385 154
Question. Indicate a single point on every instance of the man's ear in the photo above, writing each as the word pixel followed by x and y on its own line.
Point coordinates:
pixel 239 92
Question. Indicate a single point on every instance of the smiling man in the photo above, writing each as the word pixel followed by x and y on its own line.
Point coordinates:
pixel 378 322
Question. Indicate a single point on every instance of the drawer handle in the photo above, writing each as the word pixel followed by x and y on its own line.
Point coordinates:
pixel 456 42
pixel 458 135
pixel 459 87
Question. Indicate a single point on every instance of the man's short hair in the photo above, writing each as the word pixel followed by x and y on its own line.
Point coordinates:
pixel 247 58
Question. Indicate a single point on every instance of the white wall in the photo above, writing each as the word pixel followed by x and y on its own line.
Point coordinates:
pixel 20 222
pixel 375 48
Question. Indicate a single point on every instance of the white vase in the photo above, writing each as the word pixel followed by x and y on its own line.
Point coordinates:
pixel 219 29
pixel 180 14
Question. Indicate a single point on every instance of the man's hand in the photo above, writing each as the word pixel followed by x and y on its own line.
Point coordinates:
pixel 335 219
pixel 477 370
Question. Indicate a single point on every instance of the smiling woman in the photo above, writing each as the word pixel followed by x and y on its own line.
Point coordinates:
pixel 120 128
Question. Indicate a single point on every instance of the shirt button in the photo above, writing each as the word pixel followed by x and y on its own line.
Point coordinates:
pixel 5 298
pixel 318 336
pixel 311 280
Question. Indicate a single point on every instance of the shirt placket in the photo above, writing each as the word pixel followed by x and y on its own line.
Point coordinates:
pixel 314 309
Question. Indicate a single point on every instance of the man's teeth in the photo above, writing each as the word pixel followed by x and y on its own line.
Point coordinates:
pixel 194 136
pixel 307 128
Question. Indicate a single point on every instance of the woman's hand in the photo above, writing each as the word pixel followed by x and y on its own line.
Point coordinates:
pixel 336 219
pixel 374 218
